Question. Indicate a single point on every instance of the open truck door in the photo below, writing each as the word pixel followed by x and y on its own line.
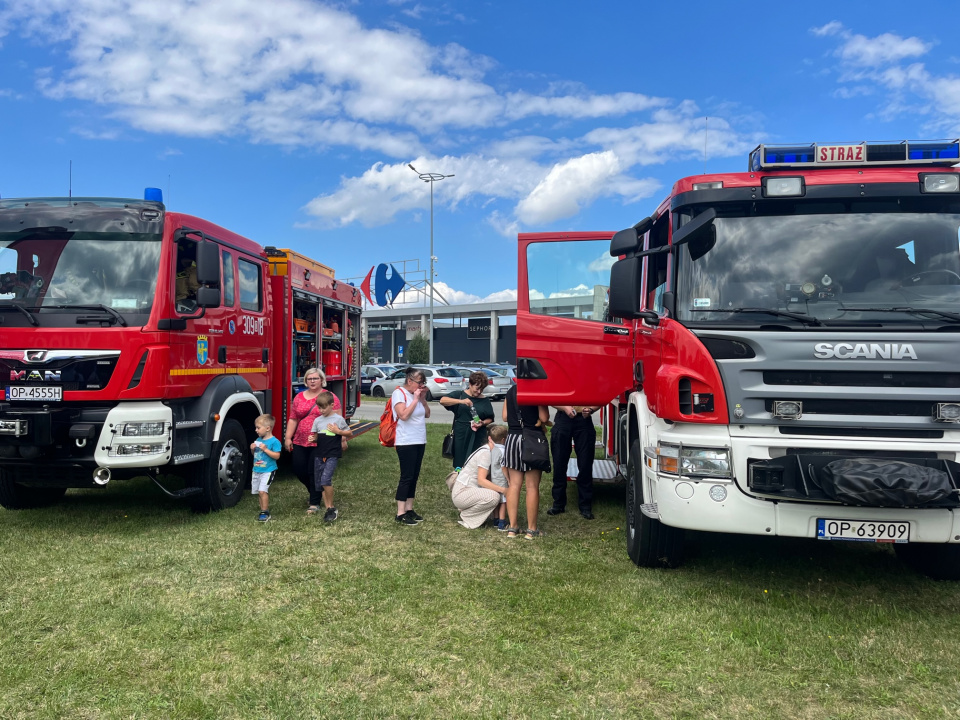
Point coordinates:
pixel 570 350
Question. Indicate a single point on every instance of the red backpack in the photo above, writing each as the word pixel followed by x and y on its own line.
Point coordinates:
pixel 388 425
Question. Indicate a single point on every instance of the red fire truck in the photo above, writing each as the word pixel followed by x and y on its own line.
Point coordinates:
pixel 777 350
pixel 142 342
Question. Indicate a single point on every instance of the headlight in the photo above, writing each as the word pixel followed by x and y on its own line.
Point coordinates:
pixel 152 449
pixel 695 461
pixel 142 429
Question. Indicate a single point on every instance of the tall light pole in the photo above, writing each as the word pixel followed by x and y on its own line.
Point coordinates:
pixel 430 178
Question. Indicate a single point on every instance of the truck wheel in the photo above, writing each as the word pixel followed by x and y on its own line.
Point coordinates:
pixel 940 562
pixel 377 392
pixel 650 543
pixel 14 496
pixel 223 476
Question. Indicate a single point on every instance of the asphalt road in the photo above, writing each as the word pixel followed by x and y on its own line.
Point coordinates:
pixel 372 409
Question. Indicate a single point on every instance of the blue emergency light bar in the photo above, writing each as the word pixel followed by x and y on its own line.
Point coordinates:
pixel 924 152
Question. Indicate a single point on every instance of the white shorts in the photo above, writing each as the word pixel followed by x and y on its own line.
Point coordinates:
pixel 260 482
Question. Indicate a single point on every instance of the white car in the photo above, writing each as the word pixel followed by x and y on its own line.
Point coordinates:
pixel 440 381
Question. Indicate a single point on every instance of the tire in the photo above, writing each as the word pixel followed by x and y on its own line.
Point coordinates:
pixel 14 496
pixel 223 476
pixel 377 392
pixel 650 543
pixel 940 561
pixel 429 396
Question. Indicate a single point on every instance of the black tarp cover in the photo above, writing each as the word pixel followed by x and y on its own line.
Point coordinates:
pixel 869 482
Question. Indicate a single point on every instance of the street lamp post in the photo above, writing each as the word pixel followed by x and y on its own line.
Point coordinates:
pixel 430 178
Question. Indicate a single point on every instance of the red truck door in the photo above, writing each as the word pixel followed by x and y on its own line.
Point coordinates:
pixel 568 350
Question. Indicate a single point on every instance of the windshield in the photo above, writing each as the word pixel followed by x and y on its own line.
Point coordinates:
pixel 848 267
pixel 55 268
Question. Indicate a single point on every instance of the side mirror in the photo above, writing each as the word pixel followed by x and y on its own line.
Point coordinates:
pixel 625 287
pixel 624 242
pixel 208 265
pixel 628 241
pixel 207 297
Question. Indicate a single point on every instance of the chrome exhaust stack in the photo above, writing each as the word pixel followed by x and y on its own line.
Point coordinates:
pixel 101 476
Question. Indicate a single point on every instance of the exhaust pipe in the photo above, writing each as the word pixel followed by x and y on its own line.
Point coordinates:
pixel 101 476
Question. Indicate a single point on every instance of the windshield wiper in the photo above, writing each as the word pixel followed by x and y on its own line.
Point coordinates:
pixel 105 308
pixel 953 317
pixel 799 317
pixel 21 308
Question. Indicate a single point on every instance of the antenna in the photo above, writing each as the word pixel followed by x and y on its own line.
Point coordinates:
pixel 168 189
pixel 706 125
pixel 70 181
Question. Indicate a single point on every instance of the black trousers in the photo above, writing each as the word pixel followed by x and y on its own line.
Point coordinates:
pixel 302 459
pixel 579 432
pixel 410 457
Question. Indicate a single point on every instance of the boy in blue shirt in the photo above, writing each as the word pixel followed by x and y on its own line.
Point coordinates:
pixel 266 451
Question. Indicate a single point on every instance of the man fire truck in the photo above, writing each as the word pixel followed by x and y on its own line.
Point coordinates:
pixel 136 341
pixel 780 350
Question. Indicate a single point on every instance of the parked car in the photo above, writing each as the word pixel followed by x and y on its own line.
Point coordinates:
pixel 376 372
pixel 497 384
pixel 366 382
pixel 440 381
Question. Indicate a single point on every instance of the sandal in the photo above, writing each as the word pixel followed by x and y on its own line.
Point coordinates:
pixel 313 510
pixel 513 532
pixel 531 534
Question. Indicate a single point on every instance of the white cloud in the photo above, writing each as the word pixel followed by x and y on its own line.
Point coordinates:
pixel 287 72
pixel 602 264
pixel 872 65
pixel 299 73
pixel 881 50
pixel 419 297
pixel 831 28
pixel 567 187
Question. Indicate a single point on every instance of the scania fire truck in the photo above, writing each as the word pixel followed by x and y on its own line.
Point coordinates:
pixel 777 351
pixel 140 342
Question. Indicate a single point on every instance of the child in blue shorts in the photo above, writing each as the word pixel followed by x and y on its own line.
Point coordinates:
pixel 266 451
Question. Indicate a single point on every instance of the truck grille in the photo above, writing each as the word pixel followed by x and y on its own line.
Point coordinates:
pixel 840 378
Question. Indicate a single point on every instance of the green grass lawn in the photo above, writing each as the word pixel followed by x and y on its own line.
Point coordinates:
pixel 121 603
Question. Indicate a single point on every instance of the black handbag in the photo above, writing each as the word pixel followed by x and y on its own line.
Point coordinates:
pixel 447 448
pixel 534 448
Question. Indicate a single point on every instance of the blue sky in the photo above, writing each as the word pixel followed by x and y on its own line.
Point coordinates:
pixel 292 121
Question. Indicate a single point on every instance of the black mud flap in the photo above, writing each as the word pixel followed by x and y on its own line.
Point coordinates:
pixel 877 482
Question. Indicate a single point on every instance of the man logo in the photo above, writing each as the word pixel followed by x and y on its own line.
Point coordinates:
pixel 34 356
pixel 866 351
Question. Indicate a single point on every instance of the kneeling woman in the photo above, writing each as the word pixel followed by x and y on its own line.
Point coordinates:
pixel 474 493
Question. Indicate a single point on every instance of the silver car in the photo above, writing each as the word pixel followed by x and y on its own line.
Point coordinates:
pixel 497 384
pixel 440 381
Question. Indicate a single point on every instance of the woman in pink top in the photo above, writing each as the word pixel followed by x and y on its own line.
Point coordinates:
pixel 303 411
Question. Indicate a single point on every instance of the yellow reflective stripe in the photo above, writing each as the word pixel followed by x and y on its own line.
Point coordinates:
pixel 216 371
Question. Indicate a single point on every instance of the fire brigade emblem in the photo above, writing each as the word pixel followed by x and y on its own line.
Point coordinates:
pixel 203 347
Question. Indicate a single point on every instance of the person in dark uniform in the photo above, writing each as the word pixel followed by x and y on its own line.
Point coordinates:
pixel 573 425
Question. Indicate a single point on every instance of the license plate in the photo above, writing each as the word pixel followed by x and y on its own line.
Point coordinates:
pixel 37 393
pixel 863 530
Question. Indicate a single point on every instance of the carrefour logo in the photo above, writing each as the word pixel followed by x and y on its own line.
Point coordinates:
pixel 865 351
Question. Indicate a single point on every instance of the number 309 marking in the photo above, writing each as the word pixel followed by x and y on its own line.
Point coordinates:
pixel 252 326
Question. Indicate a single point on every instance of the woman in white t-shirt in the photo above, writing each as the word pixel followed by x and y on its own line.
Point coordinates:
pixel 411 411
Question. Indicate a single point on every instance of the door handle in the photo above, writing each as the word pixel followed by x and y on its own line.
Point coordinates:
pixel 222 354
